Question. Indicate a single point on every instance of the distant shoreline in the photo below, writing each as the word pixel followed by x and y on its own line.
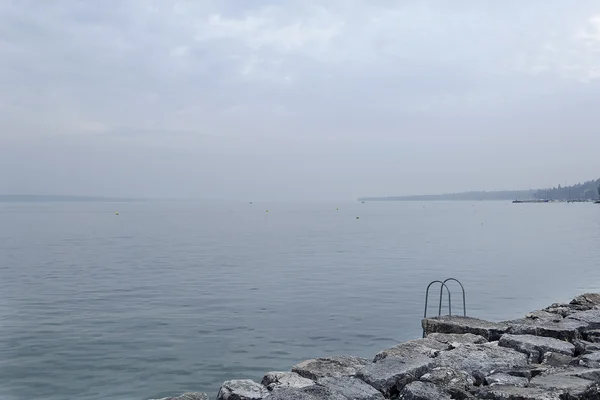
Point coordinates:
pixel 466 196
pixel 589 190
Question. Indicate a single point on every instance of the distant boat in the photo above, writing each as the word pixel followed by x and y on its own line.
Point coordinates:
pixel 597 202
pixel 363 202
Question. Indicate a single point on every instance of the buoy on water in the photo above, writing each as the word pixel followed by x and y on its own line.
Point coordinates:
pixel 117 213
pixel 267 211
pixel 357 217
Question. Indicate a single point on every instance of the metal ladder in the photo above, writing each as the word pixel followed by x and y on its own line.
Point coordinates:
pixel 442 286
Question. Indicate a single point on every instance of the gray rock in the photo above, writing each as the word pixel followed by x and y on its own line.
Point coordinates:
pixel 562 310
pixel 565 329
pixel 314 392
pixel 517 393
pixel 243 389
pixel 189 396
pixel 557 360
pixel 449 377
pixel 585 301
pixel 526 372
pixel 351 388
pixel 274 380
pixel 423 391
pixel 543 315
pixel 456 324
pixel 501 378
pixel 575 386
pixel 591 318
pixel 428 347
pixel 536 346
pixel 450 338
pixel 391 374
pixel 482 359
pixel 592 374
pixel 336 367
pixel 585 347
pixel 593 335
pixel 594 356
pixel 591 360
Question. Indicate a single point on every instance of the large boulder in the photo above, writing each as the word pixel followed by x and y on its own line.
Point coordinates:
pixel 346 388
pixel 456 324
pixel 592 374
pixel 189 396
pixel 428 347
pixel 543 315
pixel 517 393
pixel 585 301
pixel 482 359
pixel 564 329
pixel 560 309
pixel 594 356
pixel 576 387
pixel 243 389
pixel 584 347
pixel 592 335
pixel 452 338
pixel 351 388
pixel 449 377
pixel 456 383
pixel 314 392
pixel 590 360
pixel 590 317
pixel 391 374
pixel 557 360
pixel 423 391
pixel 273 380
pixel 536 346
pixel 504 379
pixel 336 367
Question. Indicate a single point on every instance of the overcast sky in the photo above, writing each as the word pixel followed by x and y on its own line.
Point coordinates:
pixel 275 100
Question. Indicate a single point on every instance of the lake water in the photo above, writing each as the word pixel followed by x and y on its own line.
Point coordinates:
pixel 169 297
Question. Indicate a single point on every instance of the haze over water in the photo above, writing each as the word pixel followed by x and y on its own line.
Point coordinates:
pixel 171 297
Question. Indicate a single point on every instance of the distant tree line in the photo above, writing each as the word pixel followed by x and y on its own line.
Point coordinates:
pixel 589 190
pixel 586 191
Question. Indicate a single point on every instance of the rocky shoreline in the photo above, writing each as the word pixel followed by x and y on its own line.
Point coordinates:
pixel 550 354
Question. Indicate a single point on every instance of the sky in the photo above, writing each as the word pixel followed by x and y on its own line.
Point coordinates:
pixel 271 100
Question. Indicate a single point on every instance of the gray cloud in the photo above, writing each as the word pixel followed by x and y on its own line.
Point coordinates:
pixel 264 99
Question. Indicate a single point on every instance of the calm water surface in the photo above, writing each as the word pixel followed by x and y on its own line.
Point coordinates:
pixel 173 297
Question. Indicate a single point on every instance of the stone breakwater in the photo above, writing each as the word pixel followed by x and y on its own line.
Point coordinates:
pixel 550 354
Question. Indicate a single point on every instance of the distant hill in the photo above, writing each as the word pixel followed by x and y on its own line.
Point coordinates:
pixel 27 198
pixel 582 191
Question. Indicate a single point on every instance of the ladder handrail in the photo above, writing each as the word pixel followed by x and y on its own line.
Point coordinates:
pixel 443 285
pixel 463 293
